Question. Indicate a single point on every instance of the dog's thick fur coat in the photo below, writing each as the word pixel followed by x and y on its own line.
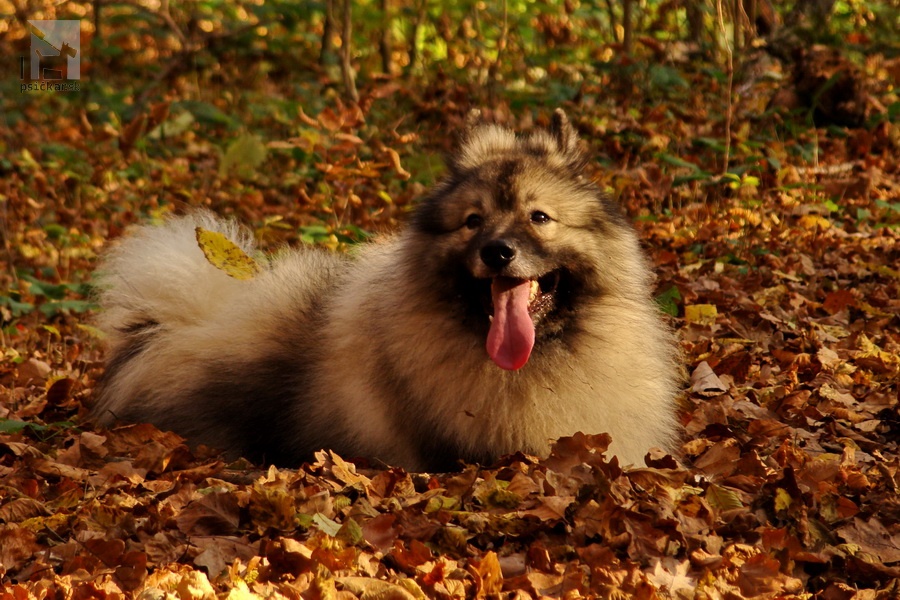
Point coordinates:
pixel 383 354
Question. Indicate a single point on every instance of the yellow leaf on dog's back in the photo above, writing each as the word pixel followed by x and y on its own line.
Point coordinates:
pixel 225 255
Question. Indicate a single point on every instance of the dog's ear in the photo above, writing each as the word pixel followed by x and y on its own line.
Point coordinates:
pixel 479 141
pixel 475 120
pixel 562 131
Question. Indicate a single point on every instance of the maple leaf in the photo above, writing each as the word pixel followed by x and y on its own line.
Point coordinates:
pixel 672 576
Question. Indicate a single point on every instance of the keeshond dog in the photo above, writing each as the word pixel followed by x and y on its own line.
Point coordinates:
pixel 515 308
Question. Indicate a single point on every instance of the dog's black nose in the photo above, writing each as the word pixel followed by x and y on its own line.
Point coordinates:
pixel 497 254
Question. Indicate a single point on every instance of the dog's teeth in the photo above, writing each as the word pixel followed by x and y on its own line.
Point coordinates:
pixel 535 288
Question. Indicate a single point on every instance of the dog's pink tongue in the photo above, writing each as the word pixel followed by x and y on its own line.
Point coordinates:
pixel 511 337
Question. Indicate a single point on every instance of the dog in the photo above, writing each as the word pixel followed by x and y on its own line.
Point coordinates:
pixel 514 308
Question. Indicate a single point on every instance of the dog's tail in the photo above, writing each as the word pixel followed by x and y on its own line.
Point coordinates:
pixel 162 303
pixel 159 277
pixel 193 350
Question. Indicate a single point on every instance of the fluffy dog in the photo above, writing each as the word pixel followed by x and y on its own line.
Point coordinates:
pixel 514 308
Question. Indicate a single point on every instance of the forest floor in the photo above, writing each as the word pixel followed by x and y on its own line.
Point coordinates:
pixel 782 279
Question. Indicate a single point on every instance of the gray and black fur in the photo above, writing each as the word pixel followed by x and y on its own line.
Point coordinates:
pixel 383 355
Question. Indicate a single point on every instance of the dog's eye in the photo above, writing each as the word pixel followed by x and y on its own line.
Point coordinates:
pixel 539 217
pixel 474 221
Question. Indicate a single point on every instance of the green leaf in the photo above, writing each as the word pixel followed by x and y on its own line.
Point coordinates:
pixel 891 206
pixel 55 231
pixel 713 143
pixel 48 290
pixel 206 113
pixel 353 234
pixel 314 234
pixel 695 176
pixel 678 162
pixel 56 307
pixel 731 177
pixel 668 301
pixel 172 127
pixel 16 307
pixel 37 430
pixel 244 156
pixel 665 77
pixel 12 426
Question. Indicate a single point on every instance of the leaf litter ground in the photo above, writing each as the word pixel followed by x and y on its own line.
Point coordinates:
pixel 787 307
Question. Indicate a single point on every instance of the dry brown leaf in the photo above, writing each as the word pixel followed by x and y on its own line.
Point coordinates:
pixel 705 382
pixel 872 537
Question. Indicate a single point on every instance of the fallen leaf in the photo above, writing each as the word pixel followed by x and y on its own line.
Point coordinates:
pixel 225 255
pixel 489 579
pixel 723 498
pixel 705 382
pixel 213 514
pixel 395 161
pixel 243 156
pixel 17 545
pixel 700 314
pixel 367 588
pixel 872 537
pixel 838 300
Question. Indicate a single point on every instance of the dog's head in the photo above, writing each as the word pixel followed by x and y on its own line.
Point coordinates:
pixel 517 235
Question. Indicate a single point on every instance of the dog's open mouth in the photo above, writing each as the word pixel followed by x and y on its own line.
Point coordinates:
pixel 516 306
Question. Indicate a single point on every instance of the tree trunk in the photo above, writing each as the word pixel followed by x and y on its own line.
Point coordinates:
pixel 627 24
pixel 346 44
pixel 421 11
pixel 326 54
pixel 385 44
pixel 695 21
pixel 98 6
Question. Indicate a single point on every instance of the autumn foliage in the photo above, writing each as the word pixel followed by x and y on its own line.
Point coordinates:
pixel 772 216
